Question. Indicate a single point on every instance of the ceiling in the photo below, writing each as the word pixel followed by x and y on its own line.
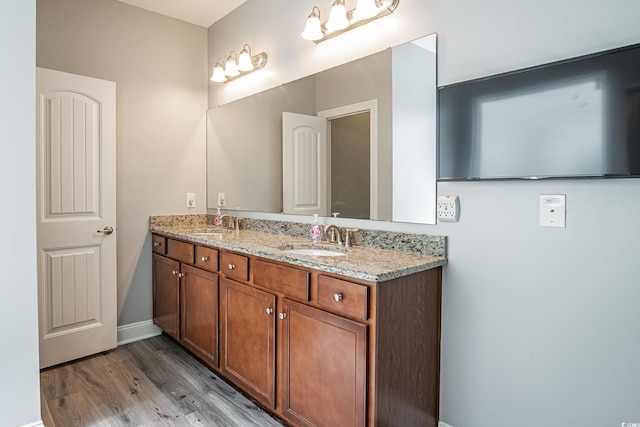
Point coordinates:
pixel 199 12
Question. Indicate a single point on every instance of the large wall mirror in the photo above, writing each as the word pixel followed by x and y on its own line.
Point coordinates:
pixel 378 160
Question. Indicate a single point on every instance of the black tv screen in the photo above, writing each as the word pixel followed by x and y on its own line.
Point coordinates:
pixel 570 119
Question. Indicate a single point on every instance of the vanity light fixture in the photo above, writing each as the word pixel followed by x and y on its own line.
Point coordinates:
pixel 341 20
pixel 238 66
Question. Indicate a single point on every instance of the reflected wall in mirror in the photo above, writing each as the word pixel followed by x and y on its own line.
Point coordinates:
pixel 397 180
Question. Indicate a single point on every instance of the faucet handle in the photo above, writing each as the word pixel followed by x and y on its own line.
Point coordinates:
pixel 349 237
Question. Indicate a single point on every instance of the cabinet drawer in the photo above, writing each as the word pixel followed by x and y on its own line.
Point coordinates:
pixel 182 251
pixel 207 258
pixel 234 266
pixel 159 244
pixel 344 297
pixel 292 282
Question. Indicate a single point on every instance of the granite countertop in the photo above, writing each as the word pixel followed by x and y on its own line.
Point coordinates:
pixel 365 263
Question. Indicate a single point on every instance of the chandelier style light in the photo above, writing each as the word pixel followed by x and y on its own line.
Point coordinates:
pixel 340 20
pixel 238 66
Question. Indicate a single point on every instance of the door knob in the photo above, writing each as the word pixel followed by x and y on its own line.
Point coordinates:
pixel 107 230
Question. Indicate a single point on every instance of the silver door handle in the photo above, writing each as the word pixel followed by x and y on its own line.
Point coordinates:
pixel 107 230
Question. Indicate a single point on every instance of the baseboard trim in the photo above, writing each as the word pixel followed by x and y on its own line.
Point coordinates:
pixel 36 424
pixel 137 331
pixel 442 424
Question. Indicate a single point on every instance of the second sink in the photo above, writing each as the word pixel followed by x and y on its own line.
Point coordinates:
pixel 313 250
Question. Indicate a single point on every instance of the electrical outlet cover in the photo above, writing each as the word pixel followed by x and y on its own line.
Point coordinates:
pixel 552 210
pixel 448 208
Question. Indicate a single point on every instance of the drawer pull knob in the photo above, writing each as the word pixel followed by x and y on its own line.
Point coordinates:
pixel 269 310
pixel 337 297
pixel 181 275
pixel 232 266
pixel 282 316
pixel 205 258
pixel 174 272
pixel 156 244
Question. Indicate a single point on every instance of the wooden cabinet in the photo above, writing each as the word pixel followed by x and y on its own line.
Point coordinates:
pixel 185 298
pixel 199 313
pixel 166 295
pixel 247 334
pixel 324 368
pixel 315 348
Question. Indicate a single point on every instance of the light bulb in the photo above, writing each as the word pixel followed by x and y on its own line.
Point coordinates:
pixel 218 73
pixel 313 28
pixel 231 67
pixel 244 60
pixel 337 17
pixel 365 9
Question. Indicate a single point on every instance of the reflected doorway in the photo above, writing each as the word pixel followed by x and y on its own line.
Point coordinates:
pixel 350 188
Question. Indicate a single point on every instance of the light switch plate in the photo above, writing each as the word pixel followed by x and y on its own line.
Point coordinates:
pixel 552 210
pixel 191 200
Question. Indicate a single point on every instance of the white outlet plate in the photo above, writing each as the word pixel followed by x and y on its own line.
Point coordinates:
pixel 448 208
pixel 552 210
pixel 191 200
pixel 222 199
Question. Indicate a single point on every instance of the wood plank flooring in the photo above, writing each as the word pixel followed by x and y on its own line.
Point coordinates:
pixel 153 382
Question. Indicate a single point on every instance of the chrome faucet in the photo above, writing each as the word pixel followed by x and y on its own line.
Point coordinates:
pixel 231 221
pixel 335 235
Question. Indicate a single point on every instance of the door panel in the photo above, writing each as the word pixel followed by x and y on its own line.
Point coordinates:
pixel 305 164
pixel 75 202
pixel 247 338
pixel 324 367
pixel 166 295
pixel 72 286
pixel 199 322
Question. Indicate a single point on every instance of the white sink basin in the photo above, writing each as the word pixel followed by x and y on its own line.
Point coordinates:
pixel 212 232
pixel 313 252
pixel 310 250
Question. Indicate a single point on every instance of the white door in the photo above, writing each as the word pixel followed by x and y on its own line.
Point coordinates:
pixel 304 152
pixel 76 207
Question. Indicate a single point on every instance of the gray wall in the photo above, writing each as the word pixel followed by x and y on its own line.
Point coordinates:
pixel 19 375
pixel 539 325
pixel 159 66
pixel 244 146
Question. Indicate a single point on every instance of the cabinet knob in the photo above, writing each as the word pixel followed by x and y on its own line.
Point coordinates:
pixel 205 258
pixel 269 310
pixel 231 266
pixel 181 275
pixel 282 316
pixel 174 272
pixel 337 297
pixel 156 244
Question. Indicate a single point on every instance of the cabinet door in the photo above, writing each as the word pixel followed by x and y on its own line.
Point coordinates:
pixel 324 368
pixel 247 339
pixel 166 296
pixel 199 320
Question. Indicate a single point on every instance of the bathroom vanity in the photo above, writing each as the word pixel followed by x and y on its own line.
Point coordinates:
pixel 351 339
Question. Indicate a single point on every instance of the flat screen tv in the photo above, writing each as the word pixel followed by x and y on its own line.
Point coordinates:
pixel 578 118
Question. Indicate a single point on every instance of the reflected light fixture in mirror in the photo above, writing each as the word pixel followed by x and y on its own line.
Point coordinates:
pixel 341 21
pixel 236 67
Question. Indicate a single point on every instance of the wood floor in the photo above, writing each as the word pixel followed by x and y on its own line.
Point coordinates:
pixel 153 382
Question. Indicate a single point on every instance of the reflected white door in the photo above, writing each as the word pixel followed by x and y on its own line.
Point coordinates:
pixel 76 207
pixel 304 175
